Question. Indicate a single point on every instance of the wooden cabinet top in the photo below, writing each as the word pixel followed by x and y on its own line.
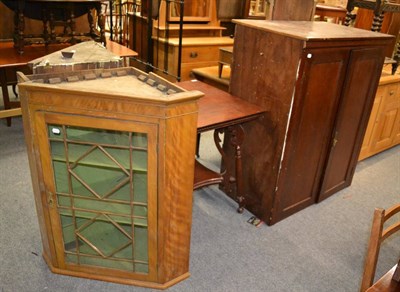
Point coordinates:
pixel 312 30
pixel 85 52
pixel 387 78
pixel 128 84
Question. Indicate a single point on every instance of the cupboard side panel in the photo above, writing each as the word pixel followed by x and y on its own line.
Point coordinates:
pixel 311 123
pixel 365 66
pixel 263 72
pixel 176 174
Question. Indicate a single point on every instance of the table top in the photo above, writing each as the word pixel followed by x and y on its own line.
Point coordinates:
pixel 120 50
pixel 218 109
pixel 313 30
pixel 9 57
pixel 63 0
pixel 227 50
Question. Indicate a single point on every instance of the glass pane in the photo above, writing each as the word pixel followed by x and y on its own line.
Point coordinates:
pixel 139 160
pixel 141 252
pixel 140 187
pixel 98 136
pixel 97 181
pixel 104 206
pixel 63 201
pixel 112 264
pixel 61 176
pixel 139 140
pixel 141 268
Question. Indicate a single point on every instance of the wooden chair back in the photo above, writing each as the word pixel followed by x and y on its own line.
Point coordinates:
pixel 378 234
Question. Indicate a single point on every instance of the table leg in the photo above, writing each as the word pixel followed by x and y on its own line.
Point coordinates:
pixel 4 89
pixel 220 66
pixel 237 138
pixel 46 35
pixel 72 25
pixel 101 22
pixel 20 27
pixel 377 21
pixel 236 134
pixel 396 58
pixel 349 8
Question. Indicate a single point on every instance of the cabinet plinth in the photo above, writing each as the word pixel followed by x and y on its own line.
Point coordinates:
pixel 111 157
pixel 316 81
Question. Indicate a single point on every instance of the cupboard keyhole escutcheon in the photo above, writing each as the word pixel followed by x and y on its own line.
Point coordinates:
pixel 50 199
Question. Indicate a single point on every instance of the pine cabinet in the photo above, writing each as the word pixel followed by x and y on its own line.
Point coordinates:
pixel 111 156
pixel 316 82
pixel 383 129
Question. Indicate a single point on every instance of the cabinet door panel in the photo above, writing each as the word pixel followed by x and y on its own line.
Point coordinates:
pixel 384 134
pixel 314 108
pixel 99 193
pixel 368 141
pixel 352 118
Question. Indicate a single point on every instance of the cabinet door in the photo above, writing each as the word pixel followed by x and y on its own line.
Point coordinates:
pixel 100 193
pixel 387 126
pixel 311 121
pixel 357 98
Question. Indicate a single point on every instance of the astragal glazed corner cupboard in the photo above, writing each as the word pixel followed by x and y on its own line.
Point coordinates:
pixel 111 153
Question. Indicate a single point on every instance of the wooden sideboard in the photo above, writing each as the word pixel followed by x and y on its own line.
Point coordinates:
pixel 196 53
pixel 112 171
pixel 383 130
pixel 317 82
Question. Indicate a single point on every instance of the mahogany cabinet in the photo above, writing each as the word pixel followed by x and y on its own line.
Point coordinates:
pixel 111 157
pixel 317 82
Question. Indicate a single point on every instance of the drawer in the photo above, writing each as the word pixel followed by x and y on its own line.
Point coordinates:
pixel 200 54
pixel 188 67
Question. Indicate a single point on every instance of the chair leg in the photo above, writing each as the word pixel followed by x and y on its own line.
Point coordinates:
pixel 198 145
pixel 14 89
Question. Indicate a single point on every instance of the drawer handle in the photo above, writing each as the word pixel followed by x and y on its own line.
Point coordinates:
pixel 391 92
pixel 193 54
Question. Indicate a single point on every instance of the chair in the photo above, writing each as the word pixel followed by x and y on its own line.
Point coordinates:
pixel 379 7
pixel 378 235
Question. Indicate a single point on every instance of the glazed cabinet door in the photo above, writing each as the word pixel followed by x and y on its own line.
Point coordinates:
pixel 100 193
pixel 357 99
